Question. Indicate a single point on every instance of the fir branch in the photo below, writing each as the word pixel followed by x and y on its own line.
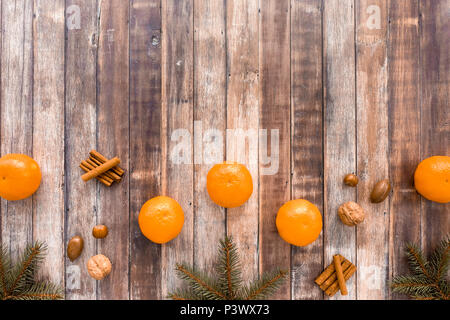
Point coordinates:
pixel 227 249
pixel 25 269
pixel 18 281
pixel 268 284
pixel 412 285
pixel 199 284
pixel 417 262
pixel 423 298
pixel 428 278
pixel 228 268
pixel 175 296
pixel 43 289
pixel 228 282
pixel 440 259
pixel 5 265
pixel 183 295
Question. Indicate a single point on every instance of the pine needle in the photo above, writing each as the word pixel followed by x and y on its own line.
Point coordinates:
pixel 440 260
pixel 427 281
pixel 17 281
pixel 266 286
pixel 5 265
pixel 200 284
pixel 417 262
pixel 227 284
pixel 228 268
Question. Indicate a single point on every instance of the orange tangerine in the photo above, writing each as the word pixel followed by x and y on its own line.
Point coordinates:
pixel 161 219
pixel 299 222
pixel 432 178
pixel 20 176
pixel 229 184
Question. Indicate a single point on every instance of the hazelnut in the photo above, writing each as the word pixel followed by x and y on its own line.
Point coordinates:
pixel 351 213
pixel 99 267
pixel 351 180
pixel 75 247
pixel 100 231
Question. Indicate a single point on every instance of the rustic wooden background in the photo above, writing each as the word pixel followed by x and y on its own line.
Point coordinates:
pixel 347 95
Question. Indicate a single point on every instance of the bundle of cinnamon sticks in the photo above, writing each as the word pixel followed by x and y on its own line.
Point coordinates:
pixel 104 170
pixel 333 278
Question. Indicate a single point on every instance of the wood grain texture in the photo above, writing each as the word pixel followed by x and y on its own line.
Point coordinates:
pixel 48 133
pixel 274 114
pixel 1 124
pixel 113 141
pixel 340 131
pixel 177 102
pixel 435 108
pixel 351 86
pixel 373 147
pixel 307 139
pixel 145 153
pixel 16 223
pixel 210 125
pixel 404 129
pixel 243 114
pixel 80 138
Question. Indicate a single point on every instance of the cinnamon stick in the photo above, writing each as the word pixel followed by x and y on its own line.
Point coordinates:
pixel 331 291
pixel 332 279
pixel 329 271
pixel 96 155
pixel 340 275
pixel 107 173
pixel 101 169
pixel 100 178
pixel 110 173
pixel 90 167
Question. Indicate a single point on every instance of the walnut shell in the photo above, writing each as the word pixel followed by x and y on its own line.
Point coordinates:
pixel 351 213
pixel 99 266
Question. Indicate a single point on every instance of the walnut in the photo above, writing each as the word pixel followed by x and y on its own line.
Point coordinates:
pixel 99 266
pixel 351 213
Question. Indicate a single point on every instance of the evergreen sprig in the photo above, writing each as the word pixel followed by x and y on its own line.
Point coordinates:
pixel 428 279
pixel 17 282
pixel 227 283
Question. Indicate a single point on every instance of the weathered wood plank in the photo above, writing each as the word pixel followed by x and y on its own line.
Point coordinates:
pixel 16 113
pixel 340 131
pixel 1 124
pixel 80 138
pixel 435 108
pixel 48 133
pixel 210 124
pixel 177 102
pixel 404 129
pixel 307 130
pixel 145 142
pixel 243 114
pixel 373 147
pixel 113 140
pixel 274 114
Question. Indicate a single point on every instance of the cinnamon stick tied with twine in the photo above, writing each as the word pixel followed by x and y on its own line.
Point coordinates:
pixel 101 169
pixel 340 275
